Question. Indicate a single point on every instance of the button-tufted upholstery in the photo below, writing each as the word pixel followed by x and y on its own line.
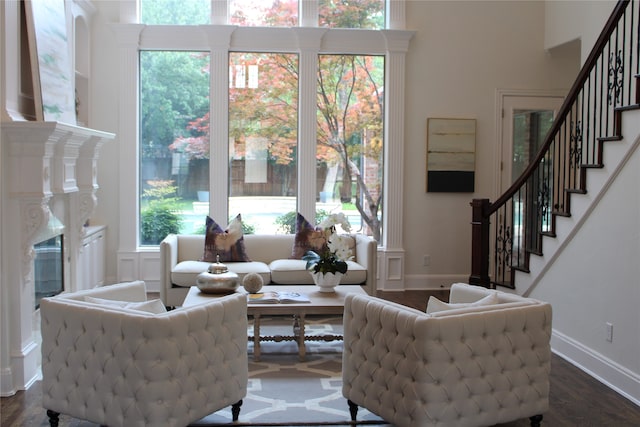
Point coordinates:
pixel 474 366
pixel 120 367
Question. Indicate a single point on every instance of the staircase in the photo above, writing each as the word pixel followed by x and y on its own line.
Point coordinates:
pixel 595 133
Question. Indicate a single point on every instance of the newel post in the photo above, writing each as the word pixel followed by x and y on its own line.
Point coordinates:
pixel 480 244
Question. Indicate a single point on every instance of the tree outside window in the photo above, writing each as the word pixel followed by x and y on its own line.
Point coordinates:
pixel 263 129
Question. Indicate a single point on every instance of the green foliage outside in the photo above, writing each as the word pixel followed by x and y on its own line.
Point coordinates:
pixel 175 12
pixel 160 215
pixel 287 222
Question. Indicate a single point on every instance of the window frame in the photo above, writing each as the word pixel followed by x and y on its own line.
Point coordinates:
pixel 308 43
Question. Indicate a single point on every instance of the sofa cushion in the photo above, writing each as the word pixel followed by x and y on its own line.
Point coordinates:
pixel 308 238
pixel 227 243
pixel 435 305
pixel 185 273
pixel 293 272
pixel 154 306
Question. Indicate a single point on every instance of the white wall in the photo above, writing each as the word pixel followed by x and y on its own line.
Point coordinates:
pixel 566 21
pixel 104 116
pixel 462 53
pixel 594 281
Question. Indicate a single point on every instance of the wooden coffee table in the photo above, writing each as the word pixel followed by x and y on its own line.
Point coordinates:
pixel 322 303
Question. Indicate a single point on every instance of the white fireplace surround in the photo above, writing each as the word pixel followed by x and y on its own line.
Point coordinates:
pixel 49 169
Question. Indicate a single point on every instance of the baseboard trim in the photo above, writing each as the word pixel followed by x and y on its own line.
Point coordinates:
pixel 608 372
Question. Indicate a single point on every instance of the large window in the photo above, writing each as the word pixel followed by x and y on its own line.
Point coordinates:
pixel 368 14
pixel 351 14
pixel 298 130
pixel 174 143
pixel 350 138
pixel 175 12
pixel 263 138
pixel 276 13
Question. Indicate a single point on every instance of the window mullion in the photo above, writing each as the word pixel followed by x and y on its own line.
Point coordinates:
pixel 307 134
pixel 308 11
pixel 219 12
pixel 219 121
pixel 309 42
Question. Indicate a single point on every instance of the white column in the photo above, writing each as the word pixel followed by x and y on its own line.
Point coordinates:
pixel 308 13
pixel 309 41
pixel 128 37
pixel 395 14
pixel 219 39
pixel 391 253
pixel 219 12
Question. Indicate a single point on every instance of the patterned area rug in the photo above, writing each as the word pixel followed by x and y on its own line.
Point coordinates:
pixel 283 391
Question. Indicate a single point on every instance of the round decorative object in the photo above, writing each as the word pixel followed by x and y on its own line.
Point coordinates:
pixel 217 279
pixel 327 281
pixel 252 282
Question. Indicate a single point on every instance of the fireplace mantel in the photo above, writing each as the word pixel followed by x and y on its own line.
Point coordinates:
pixel 48 168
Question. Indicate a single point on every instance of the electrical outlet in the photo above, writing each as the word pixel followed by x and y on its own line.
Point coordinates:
pixel 426 260
pixel 609 332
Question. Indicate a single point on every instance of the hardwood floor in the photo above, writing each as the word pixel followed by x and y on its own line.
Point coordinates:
pixel 576 398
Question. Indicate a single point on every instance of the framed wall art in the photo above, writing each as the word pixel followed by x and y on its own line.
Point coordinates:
pixel 451 155
pixel 53 88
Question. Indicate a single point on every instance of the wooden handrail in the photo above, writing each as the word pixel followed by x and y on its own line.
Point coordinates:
pixel 569 101
pixel 526 210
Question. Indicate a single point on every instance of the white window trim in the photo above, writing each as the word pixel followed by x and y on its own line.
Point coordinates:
pixel 219 40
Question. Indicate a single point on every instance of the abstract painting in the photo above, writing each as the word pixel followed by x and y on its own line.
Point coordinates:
pixel 50 63
pixel 451 155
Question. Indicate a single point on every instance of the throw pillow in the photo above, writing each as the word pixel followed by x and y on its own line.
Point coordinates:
pixel 435 305
pixel 154 306
pixel 227 243
pixel 308 238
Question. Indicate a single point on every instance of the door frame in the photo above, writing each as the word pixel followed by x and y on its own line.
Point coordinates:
pixel 505 141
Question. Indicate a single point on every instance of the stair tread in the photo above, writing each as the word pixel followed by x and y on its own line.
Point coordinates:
pixel 610 138
pixel 576 191
pixel 628 107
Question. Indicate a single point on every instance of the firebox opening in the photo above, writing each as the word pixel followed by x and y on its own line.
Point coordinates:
pixel 48 268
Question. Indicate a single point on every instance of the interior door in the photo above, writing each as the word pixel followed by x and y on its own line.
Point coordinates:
pixel 525 122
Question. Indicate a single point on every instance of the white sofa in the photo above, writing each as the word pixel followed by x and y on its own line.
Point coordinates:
pixel 269 254
pixel 120 366
pixel 467 366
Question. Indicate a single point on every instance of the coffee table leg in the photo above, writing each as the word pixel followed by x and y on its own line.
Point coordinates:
pixel 302 351
pixel 256 337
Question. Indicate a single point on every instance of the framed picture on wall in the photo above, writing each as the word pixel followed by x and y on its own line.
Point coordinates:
pixel 451 155
pixel 53 87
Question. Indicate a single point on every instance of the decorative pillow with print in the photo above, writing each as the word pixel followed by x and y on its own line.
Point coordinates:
pixel 227 243
pixel 308 238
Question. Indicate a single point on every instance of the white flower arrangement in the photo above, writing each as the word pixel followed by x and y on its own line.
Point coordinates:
pixel 334 258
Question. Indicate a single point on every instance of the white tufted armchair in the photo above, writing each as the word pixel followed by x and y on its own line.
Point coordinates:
pixel 122 367
pixel 466 366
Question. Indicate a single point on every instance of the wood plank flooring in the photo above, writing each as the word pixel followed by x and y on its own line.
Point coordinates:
pixel 576 398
